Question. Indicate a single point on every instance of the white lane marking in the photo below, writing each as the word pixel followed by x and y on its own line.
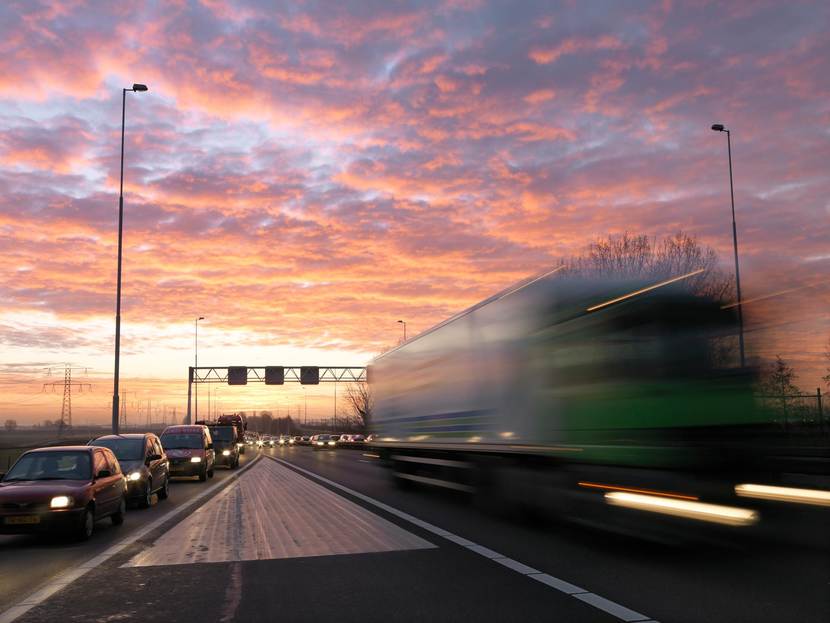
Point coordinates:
pixel 67 577
pixel 611 607
pixel 601 603
pixel 560 585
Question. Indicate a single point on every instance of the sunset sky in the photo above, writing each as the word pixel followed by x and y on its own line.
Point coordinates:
pixel 304 174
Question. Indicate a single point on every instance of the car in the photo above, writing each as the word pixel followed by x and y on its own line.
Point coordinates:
pixel 144 463
pixel 345 439
pixel 359 439
pixel 295 440
pixel 190 450
pixel 225 444
pixel 62 489
pixel 324 442
pixel 305 440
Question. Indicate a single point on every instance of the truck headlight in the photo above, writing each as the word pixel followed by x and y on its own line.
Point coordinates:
pixel 133 476
pixel 61 501
pixel 226 452
pixel 195 459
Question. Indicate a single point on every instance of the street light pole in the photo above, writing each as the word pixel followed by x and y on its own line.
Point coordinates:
pixel 404 329
pixel 116 375
pixel 718 127
pixel 196 364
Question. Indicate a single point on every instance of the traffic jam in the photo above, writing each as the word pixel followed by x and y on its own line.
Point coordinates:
pixel 66 490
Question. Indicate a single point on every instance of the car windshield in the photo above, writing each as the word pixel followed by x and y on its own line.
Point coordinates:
pixel 222 433
pixel 51 466
pixel 323 437
pixel 124 449
pixel 175 441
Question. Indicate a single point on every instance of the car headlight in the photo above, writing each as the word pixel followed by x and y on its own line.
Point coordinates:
pixel 320 443
pixel 239 445
pixel 195 459
pixel 61 501
pixel 133 476
pixel 331 443
pixel 226 452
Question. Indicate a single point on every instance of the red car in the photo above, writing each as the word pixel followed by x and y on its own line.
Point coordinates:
pixel 65 488
pixel 190 451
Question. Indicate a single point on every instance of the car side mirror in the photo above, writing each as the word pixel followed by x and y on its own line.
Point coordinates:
pixel 153 457
pixel 104 473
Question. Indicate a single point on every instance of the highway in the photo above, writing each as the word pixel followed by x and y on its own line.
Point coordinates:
pixel 310 536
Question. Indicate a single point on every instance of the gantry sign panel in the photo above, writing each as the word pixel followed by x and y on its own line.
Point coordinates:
pixel 278 375
pixel 272 375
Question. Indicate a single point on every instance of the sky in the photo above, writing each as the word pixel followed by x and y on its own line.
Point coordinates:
pixel 305 174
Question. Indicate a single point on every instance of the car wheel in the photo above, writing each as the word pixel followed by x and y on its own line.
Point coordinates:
pixel 86 524
pixel 164 492
pixel 203 474
pixel 210 473
pixel 147 498
pixel 118 516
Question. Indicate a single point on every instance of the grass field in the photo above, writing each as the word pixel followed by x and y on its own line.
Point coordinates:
pixel 14 443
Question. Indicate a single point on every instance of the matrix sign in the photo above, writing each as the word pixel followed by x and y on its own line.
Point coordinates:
pixel 237 375
pixel 274 375
pixel 310 375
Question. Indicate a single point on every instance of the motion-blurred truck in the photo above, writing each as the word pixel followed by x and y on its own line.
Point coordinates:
pixel 604 400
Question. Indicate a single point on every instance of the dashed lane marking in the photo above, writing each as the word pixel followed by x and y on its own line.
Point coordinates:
pixel 592 599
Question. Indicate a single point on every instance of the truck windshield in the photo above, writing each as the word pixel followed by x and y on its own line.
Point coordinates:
pixel 222 433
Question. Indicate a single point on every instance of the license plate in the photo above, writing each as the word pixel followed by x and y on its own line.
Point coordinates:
pixel 22 519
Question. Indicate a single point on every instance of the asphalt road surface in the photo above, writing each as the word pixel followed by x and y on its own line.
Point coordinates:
pixel 310 536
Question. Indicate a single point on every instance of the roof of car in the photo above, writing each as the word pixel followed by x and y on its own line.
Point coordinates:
pixel 124 436
pixel 62 449
pixel 185 428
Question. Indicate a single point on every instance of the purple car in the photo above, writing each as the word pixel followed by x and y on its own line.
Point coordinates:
pixel 62 489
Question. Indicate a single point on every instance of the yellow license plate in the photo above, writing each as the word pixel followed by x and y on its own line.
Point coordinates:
pixel 22 519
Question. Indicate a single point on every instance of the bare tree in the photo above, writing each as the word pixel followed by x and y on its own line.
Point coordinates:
pixel 628 256
pixel 11 425
pixel 779 379
pixel 360 401
pixel 826 377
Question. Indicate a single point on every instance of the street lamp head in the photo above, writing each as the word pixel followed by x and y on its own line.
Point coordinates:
pixel 718 127
pixel 139 87
pixel 401 322
pixel 201 318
